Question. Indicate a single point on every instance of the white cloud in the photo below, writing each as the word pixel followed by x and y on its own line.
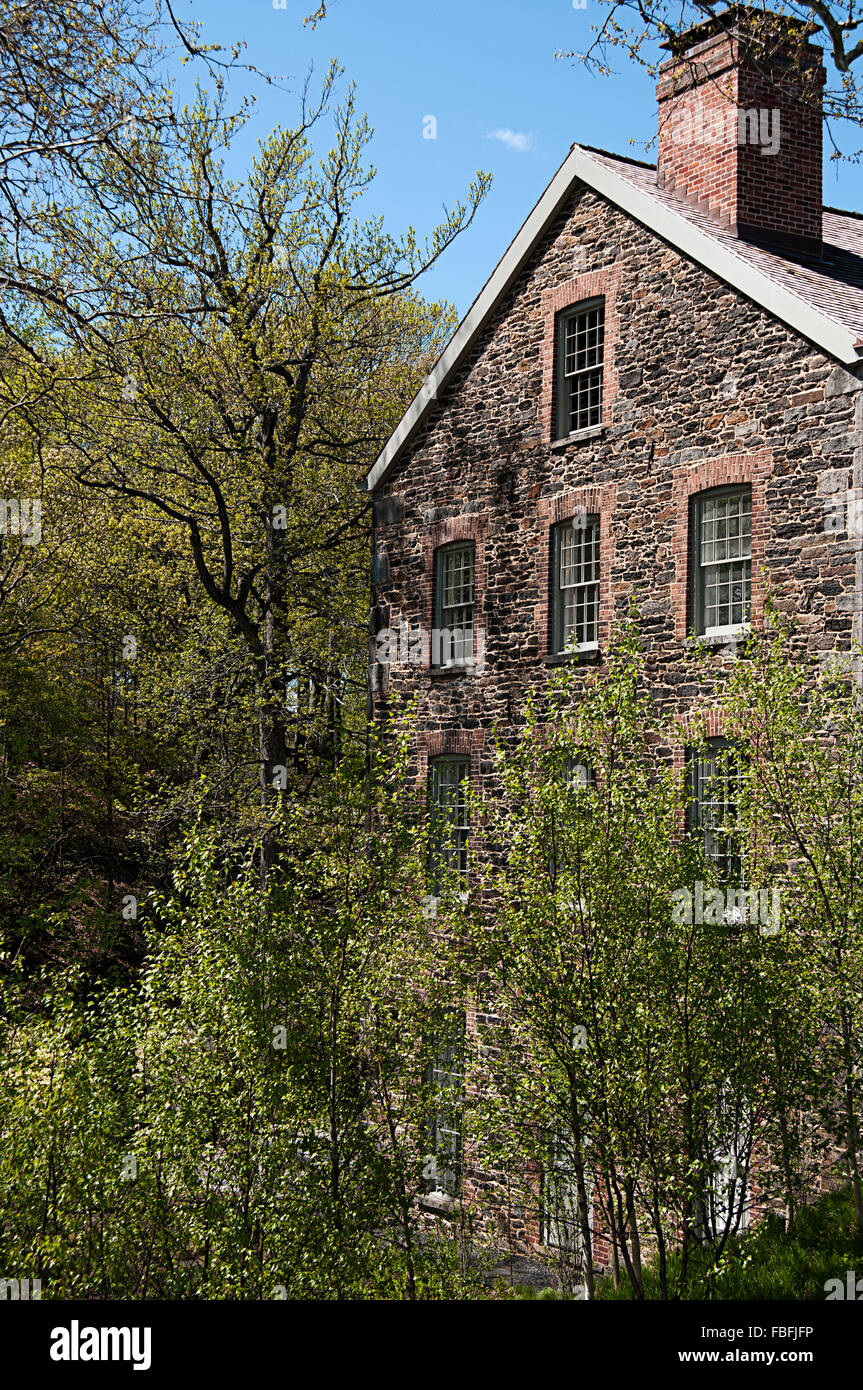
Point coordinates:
pixel 513 139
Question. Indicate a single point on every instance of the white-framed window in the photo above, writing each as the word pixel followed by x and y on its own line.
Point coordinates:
pixel 449 820
pixel 575 577
pixel 580 354
pixel 455 590
pixel 444 1086
pixel 729 1191
pixel 561 1226
pixel 575 779
pixel 721 523
pixel 715 783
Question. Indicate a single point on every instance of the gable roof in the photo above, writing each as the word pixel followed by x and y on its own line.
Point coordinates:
pixel 822 301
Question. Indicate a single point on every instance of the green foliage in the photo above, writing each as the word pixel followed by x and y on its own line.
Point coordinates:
pixel 246 1120
pixel 195 372
pixel 195 442
pixel 769 1262
pixel 528 1292
pixel 800 730
pixel 633 1048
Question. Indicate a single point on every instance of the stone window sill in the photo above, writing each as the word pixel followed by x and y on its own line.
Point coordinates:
pixel 458 668
pixel 440 1202
pixel 578 436
pixel 718 640
pixel 565 658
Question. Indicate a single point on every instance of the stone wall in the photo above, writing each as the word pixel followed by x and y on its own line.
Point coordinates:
pixel 705 387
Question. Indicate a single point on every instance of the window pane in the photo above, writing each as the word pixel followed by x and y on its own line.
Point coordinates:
pixel 449 819
pixel 585 334
pixel 715 787
pixel 725 558
pixel 458 578
pixel 580 370
pixel 576 596
pixel 585 400
pixel 455 579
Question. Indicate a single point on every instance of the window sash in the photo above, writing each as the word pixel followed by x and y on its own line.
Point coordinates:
pixel 450 826
pixel 576 559
pixel 444 1081
pixel 580 355
pixel 722 554
pixel 578 777
pixel 561 1218
pixel 731 1158
pixel 715 779
pixel 455 589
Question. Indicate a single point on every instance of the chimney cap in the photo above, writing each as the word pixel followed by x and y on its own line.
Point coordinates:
pixel 732 19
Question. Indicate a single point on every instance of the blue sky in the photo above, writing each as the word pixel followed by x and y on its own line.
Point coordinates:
pixel 486 71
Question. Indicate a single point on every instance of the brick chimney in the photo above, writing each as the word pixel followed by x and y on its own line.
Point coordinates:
pixel 740 113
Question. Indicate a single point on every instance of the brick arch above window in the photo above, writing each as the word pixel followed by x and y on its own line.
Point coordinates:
pixel 550 511
pixel 688 481
pixel 692 729
pixel 449 743
pixel 594 284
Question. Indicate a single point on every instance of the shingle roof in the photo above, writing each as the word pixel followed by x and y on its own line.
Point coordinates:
pixel 823 301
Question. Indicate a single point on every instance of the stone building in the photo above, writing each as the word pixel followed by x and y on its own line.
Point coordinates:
pixel 657 388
